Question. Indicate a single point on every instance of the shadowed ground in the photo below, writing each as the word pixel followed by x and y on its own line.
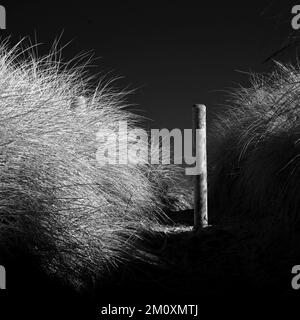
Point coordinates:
pixel 220 266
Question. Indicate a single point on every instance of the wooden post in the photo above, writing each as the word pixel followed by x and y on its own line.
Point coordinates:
pixel 2 278
pixel 200 179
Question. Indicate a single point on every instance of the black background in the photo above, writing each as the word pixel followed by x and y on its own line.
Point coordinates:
pixel 174 53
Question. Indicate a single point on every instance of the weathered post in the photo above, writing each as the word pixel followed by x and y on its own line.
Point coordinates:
pixel 200 179
pixel 2 278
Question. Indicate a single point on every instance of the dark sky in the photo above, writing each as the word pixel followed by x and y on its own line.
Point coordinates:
pixel 175 53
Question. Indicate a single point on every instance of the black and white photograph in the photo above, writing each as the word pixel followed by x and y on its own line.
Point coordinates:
pixel 149 159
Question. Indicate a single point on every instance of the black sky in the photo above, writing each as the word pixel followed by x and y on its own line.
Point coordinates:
pixel 174 53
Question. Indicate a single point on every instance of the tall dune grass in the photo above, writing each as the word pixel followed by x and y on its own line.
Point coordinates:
pixel 76 218
pixel 255 167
